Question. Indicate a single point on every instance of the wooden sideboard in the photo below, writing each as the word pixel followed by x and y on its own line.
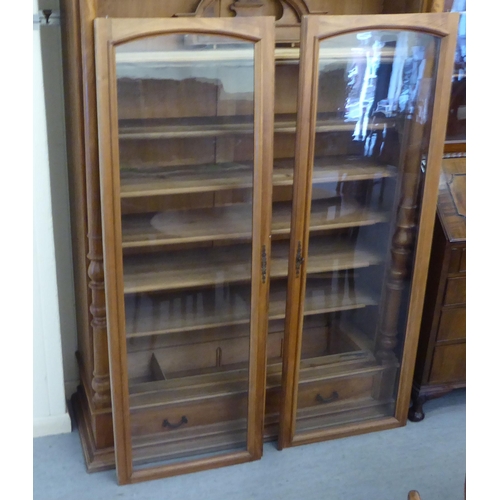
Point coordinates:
pixel 440 365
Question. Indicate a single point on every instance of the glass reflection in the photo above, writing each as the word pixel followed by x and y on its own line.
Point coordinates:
pixel 375 101
pixel 384 79
pixel 185 112
pixel 456 130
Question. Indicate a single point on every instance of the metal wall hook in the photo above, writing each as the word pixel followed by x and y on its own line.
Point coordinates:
pixel 47 13
pixel 47 17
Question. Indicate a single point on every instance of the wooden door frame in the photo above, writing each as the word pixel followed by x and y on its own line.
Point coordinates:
pixel 108 34
pixel 313 30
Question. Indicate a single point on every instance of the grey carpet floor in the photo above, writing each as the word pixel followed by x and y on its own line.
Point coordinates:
pixel 428 456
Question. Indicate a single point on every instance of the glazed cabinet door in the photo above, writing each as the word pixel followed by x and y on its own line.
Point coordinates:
pixel 185 117
pixel 373 92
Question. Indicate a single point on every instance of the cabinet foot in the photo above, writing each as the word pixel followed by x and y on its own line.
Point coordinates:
pixel 91 427
pixel 416 412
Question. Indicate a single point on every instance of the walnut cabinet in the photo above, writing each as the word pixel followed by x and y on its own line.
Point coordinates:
pixel 441 355
pixel 256 209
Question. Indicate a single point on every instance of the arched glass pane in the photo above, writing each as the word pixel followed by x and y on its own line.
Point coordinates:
pixel 374 109
pixel 186 146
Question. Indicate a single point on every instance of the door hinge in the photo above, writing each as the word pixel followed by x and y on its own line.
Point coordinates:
pixel 264 263
pixel 299 260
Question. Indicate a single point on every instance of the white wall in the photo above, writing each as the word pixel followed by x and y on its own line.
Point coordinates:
pixel 54 324
pixel 54 111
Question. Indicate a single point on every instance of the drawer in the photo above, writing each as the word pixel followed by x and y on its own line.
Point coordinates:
pixel 454 292
pixel 171 418
pixel 457 260
pixel 326 391
pixel 452 324
pixel 331 391
pixel 448 364
pixel 461 268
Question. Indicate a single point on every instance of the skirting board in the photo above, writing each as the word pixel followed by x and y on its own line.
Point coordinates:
pixel 48 426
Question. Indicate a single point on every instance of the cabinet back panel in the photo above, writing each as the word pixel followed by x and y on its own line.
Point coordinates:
pixel 161 98
pixel 166 152
pixel 287 81
pixel 162 203
pixel 186 201
pixel 284 145
pixel 238 148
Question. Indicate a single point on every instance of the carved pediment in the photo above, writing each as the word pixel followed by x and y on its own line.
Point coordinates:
pixel 206 8
pixel 248 8
pixel 287 12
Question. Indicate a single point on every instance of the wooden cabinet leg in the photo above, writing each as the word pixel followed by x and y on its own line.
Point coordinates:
pixel 416 412
pixel 421 396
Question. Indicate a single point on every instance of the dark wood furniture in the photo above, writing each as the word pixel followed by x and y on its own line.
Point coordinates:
pixel 441 357
pixel 440 365
pixel 333 307
pixel 455 130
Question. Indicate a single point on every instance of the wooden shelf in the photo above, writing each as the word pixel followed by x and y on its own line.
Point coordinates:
pixel 185 57
pixel 344 169
pixel 185 226
pixel 218 126
pixel 235 222
pixel 233 380
pixel 185 312
pixel 219 55
pixel 184 128
pixel 156 181
pixel 231 264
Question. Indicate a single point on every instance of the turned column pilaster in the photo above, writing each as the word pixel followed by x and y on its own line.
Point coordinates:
pixel 403 240
pixel 402 243
pixel 100 373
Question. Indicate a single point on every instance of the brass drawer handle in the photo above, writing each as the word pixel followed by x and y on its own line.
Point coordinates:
pixel 333 397
pixel 182 421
